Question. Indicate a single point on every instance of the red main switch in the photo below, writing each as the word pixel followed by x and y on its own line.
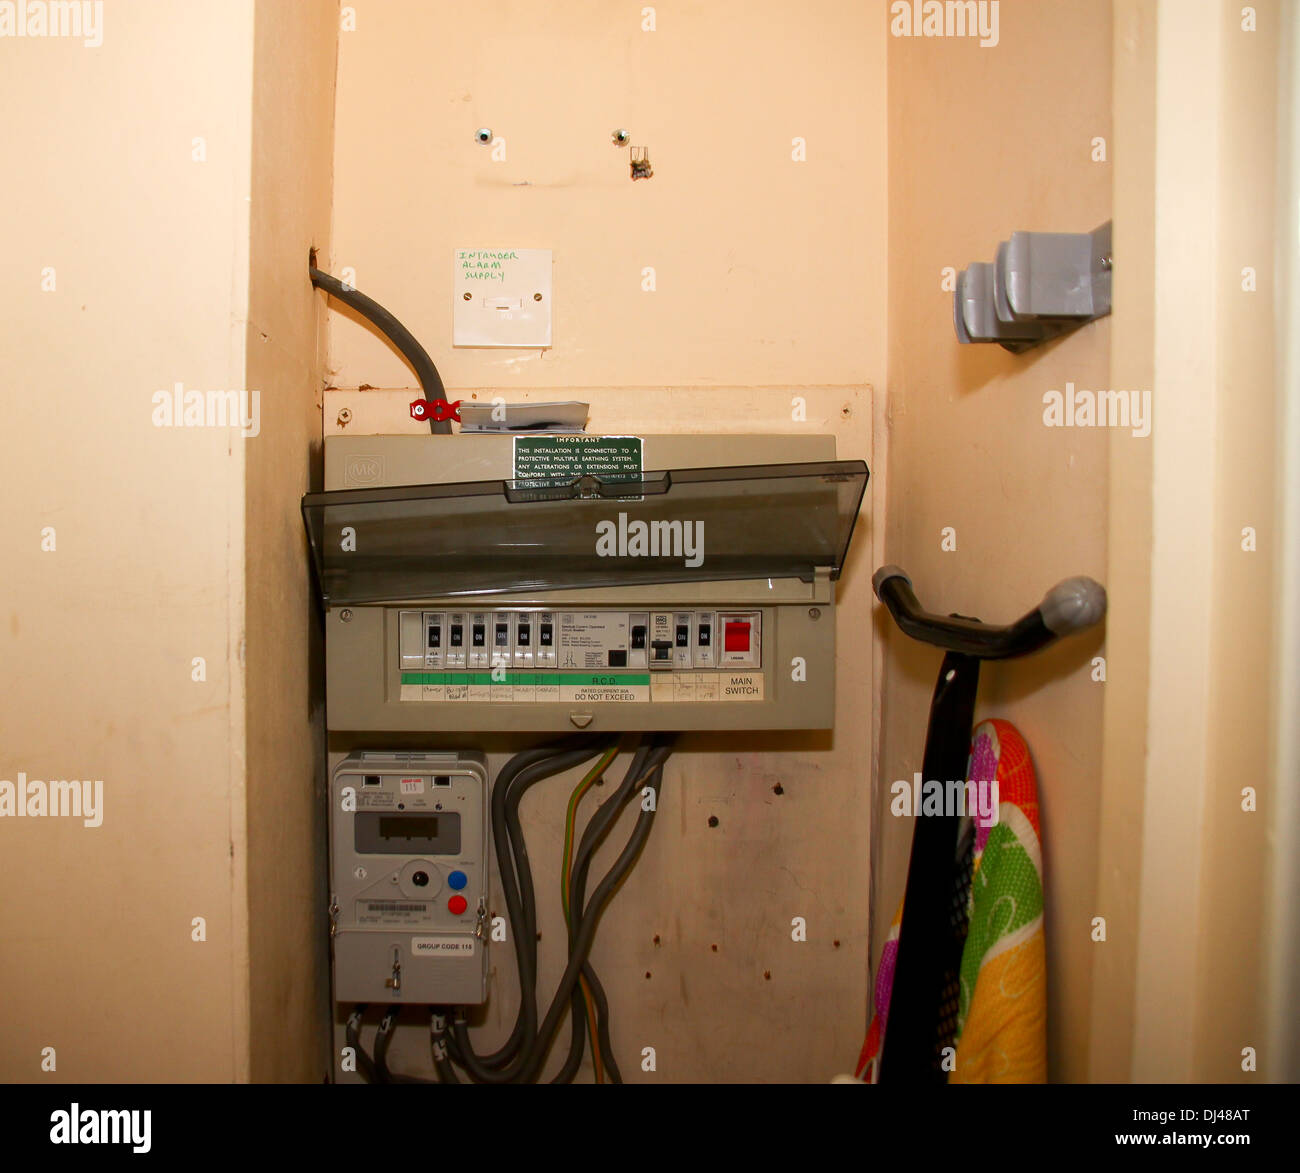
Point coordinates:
pixel 735 637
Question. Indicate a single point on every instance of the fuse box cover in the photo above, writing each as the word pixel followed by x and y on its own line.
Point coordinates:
pixel 770 521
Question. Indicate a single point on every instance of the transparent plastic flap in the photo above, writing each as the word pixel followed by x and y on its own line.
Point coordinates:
pixel 491 537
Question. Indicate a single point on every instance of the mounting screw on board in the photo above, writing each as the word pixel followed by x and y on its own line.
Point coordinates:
pixel 345 417
pixel 483 134
pixel 346 614
pixel 620 138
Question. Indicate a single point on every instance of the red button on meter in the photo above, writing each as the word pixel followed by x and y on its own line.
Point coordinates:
pixel 456 905
pixel 735 637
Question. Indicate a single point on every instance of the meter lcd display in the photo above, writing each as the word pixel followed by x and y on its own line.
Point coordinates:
pixel 408 827
pixel 415 833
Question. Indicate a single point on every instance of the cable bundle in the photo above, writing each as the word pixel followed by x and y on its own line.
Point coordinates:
pixel 521 1058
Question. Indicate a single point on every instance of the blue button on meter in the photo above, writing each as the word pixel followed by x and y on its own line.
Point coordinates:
pixel 457 880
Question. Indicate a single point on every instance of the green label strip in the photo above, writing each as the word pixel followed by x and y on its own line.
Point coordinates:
pixel 582 679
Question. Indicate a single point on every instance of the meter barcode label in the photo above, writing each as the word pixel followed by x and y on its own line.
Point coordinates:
pixel 390 912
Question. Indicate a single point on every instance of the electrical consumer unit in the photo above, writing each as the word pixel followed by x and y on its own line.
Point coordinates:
pixel 517 583
pixel 409 877
pixel 479 589
pixel 484 590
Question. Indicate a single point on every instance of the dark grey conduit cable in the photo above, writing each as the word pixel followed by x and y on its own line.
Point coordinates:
pixel 438 1046
pixel 535 1056
pixel 525 945
pixel 383 1040
pixel 365 1065
pixel 524 1053
pixel 521 772
pixel 388 325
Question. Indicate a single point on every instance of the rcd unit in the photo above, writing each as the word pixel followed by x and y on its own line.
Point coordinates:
pixel 409 878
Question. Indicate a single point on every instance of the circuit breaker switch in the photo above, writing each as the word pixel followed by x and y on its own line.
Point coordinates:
pixel 411 639
pixel 736 637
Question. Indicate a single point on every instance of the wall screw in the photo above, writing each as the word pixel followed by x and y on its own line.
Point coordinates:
pixel 346 614
pixel 621 138
pixel 469 297
pixel 483 134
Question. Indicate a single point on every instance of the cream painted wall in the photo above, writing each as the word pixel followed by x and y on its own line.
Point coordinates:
pixel 768 272
pixel 770 278
pixel 150 252
pixel 174 194
pixel 983 142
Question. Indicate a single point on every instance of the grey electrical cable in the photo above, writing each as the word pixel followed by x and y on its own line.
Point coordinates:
pixel 596 831
pixel 578 1028
pixel 654 755
pixel 602 1039
pixel 535 1055
pixel 438 1046
pixel 520 1060
pixel 523 771
pixel 388 325
pixel 602 820
pixel 365 1065
pixel 525 944
pixel 517 881
pixel 383 1037
pixel 383 1040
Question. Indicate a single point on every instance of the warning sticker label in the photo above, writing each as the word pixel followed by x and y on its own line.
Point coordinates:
pixel 565 458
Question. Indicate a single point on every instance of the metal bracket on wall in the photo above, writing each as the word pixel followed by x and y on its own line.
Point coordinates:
pixel 1041 284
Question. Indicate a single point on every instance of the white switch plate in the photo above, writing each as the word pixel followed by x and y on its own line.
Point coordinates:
pixel 502 297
